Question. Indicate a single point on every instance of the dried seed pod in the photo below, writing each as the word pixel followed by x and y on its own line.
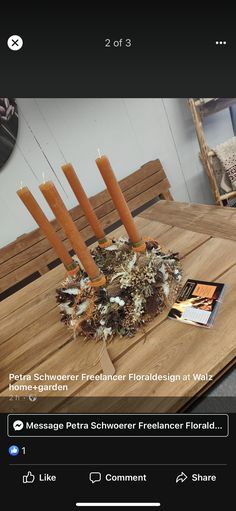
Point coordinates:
pixel 142 261
pixel 113 289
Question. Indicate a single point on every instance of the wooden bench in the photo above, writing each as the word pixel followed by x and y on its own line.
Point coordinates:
pixel 30 256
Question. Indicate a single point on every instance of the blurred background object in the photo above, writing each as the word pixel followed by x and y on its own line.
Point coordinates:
pixel 8 128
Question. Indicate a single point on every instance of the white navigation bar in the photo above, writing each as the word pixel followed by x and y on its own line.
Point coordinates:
pixel 118 504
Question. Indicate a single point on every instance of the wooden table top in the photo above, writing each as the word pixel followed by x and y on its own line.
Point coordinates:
pixel 33 340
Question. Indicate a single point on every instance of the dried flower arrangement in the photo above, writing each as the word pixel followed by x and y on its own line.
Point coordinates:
pixel 139 286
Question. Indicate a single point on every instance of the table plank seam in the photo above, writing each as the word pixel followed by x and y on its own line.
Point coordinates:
pixel 54 286
pixel 132 345
pixel 29 300
pixel 128 348
pixel 228 269
pixel 209 385
pixel 29 324
pixel 118 357
pixel 2 389
pixel 196 248
pixel 145 334
pixel 138 341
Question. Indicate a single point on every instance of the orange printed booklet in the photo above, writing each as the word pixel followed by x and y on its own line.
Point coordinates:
pixel 198 303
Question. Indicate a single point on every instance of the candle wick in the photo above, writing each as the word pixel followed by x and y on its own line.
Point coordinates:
pixel 43 175
pixel 99 153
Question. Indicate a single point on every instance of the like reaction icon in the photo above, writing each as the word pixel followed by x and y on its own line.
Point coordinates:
pixel 28 478
pixel 13 450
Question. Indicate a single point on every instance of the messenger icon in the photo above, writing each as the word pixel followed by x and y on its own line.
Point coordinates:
pixel 95 477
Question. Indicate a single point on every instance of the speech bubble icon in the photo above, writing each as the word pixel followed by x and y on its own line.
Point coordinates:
pixel 95 477
pixel 18 425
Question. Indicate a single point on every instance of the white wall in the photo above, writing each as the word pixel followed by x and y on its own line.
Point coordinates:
pixel 130 131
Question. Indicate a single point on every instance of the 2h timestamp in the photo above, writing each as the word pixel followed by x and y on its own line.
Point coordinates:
pixel 117 43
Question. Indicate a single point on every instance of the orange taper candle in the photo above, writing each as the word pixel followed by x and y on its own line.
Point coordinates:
pixel 120 202
pixel 42 221
pixel 58 207
pixel 81 196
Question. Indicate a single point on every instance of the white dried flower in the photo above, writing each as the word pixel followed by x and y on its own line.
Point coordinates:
pixel 164 272
pixel 112 247
pixel 84 282
pixel 65 307
pixel 116 276
pixel 103 333
pixel 166 288
pixel 138 306
pixel 125 280
pixel 122 240
pixel 72 291
pixel 82 307
pixel 118 300
pixel 131 263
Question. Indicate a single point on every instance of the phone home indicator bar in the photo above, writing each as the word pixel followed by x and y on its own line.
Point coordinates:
pixel 118 504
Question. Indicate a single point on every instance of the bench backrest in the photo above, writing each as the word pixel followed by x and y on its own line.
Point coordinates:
pixel 31 255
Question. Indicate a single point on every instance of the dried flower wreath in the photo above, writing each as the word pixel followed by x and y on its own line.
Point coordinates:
pixel 139 286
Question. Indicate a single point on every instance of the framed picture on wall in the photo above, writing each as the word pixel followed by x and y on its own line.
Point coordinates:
pixel 8 128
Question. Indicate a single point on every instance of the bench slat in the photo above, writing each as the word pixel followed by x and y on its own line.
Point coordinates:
pixel 43 245
pixel 31 253
pixel 28 239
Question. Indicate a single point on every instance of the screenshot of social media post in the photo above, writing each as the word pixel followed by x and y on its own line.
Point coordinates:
pixel 117 258
pixel 117 287
pixel 117 266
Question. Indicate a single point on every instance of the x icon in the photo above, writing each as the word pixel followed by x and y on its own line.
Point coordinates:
pixel 15 42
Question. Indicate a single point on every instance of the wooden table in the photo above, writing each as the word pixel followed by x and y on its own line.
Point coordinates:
pixel 33 340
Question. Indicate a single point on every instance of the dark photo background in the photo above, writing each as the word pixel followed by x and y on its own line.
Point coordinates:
pixel 8 128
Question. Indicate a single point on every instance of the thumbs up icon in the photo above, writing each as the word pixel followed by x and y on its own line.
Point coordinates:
pixel 28 478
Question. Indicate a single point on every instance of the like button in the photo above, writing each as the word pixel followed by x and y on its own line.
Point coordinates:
pixel 28 478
